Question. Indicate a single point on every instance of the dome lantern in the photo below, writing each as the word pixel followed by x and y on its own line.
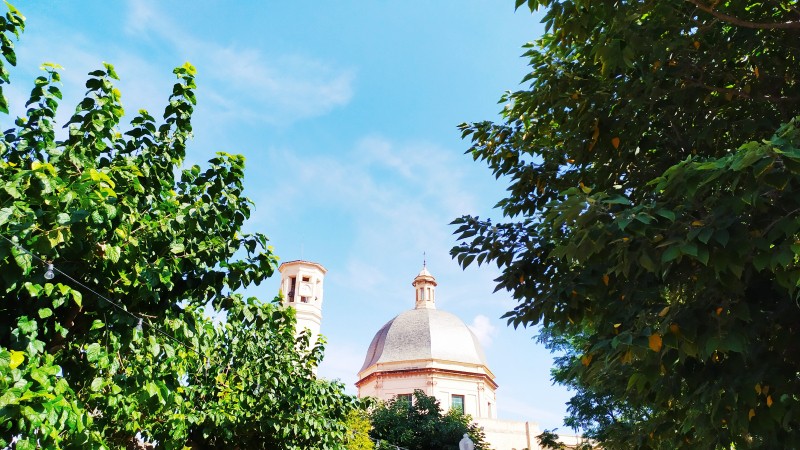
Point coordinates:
pixel 424 289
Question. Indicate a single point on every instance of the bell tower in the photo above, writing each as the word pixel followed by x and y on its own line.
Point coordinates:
pixel 301 286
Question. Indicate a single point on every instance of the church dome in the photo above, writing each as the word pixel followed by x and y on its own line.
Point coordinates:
pixel 425 334
pixel 432 351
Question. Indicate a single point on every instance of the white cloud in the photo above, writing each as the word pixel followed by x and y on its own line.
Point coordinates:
pixel 406 191
pixel 248 85
pixel 483 329
pixel 143 85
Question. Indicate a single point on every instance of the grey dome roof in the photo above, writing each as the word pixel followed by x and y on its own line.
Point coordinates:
pixel 424 334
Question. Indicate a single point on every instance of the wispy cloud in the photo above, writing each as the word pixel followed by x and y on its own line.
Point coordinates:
pixel 369 188
pixel 143 84
pixel 248 85
pixel 483 329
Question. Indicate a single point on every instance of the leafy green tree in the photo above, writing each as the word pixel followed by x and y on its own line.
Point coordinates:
pixel 358 428
pixel 420 424
pixel 110 255
pixel 651 230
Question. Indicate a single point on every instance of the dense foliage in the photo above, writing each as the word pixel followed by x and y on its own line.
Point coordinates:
pixel 358 428
pixel 117 349
pixel 420 425
pixel 652 223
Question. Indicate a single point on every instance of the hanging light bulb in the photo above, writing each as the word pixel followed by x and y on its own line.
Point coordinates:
pixel 50 274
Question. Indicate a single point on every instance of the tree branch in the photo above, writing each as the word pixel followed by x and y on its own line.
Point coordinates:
pixel 792 24
pixel 738 92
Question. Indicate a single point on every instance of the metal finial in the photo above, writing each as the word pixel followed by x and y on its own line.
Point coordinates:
pixel 424 260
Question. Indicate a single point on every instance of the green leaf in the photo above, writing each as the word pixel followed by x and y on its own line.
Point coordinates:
pixel 667 214
pixel 746 159
pixel 110 70
pixel 23 259
pixel 26 325
pixel 97 384
pixel 26 444
pixel 12 191
pixel 33 289
pixel 151 389
pixel 5 214
pixel 93 352
pixel 97 217
pixel 17 358
pixel 45 313
pixel 77 297
pixel 154 348
pixel 703 255
pixel 617 200
pixel 113 253
pixel 169 351
pixel 722 236
pixel 705 235
pixel 671 253
pixel 733 342
pixel 647 262
pixel 63 218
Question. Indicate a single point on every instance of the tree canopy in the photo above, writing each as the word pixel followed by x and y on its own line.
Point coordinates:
pixel 110 254
pixel 420 425
pixel 651 228
pixel 358 428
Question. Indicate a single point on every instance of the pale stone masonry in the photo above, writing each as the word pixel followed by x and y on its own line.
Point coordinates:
pixel 423 348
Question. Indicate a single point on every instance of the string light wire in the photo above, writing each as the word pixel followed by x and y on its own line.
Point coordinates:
pixel 52 268
pixel 139 320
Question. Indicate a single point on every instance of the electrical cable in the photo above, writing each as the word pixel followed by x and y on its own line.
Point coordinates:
pixel 52 268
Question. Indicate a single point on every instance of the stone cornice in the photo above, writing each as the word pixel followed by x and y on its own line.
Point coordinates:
pixel 426 371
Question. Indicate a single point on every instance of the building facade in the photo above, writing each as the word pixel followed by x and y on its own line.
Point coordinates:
pixel 422 348
pixel 434 351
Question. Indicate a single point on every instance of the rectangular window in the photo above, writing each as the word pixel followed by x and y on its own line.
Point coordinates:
pixel 403 398
pixel 292 286
pixel 457 403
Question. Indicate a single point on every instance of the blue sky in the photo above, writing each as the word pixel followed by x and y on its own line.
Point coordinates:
pixel 346 112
